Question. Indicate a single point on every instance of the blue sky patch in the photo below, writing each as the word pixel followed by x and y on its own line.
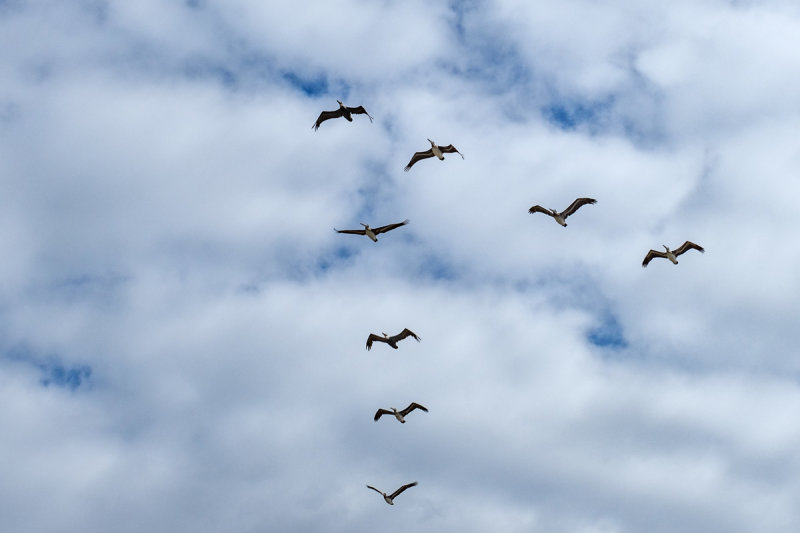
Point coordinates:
pixel 340 254
pixel 52 370
pixel 59 375
pixel 569 116
pixel 608 333
pixel 310 86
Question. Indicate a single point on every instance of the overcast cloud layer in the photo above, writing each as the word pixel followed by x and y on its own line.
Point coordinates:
pixel 182 333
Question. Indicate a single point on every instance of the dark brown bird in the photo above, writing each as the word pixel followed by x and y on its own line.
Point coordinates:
pixel 400 415
pixel 343 111
pixel 372 232
pixel 391 341
pixel 560 217
pixel 389 498
pixel 434 150
pixel 672 254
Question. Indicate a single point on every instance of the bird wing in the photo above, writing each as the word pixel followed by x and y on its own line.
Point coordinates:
pixel 411 407
pixel 650 255
pixel 449 149
pixel 325 115
pixel 373 337
pixel 389 227
pixel 382 412
pixel 575 205
pixel 540 209
pixel 417 156
pixel 376 490
pixel 401 489
pixel 353 231
pixel 685 247
pixel 360 111
pixel 405 333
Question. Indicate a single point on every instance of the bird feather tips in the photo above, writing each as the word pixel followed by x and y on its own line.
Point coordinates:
pixel 401 489
pixel 411 407
pixel 450 149
pixel 689 245
pixel 539 209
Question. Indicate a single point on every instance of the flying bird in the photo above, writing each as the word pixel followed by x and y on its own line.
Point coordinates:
pixel 559 217
pixel 372 232
pixel 391 341
pixel 672 254
pixel 434 150
pixel 389 498
pixel 400 415
pixel 343 111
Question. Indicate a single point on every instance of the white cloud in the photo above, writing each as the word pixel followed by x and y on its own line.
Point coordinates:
pixel 166 222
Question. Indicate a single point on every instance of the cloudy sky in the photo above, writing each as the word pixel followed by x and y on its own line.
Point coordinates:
pixel 182 332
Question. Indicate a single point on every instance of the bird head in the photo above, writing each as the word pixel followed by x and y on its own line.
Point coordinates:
pixel 385 334
pixel 366 226
pixel 432 143
pixel 340 102
pixel 665 247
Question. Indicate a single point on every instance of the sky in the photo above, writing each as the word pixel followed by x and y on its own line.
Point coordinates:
pixel 182 332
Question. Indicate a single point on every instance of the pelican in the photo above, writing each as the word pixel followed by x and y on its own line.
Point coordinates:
pixel 400 415
pixel 559 217
pixel 672 254
pixel 389 498
pixel 372 232
pixel 391 341
pixel 343 111
pixel 434 150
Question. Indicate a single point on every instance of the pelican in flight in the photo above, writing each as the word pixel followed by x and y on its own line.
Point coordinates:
pixel 400 415
pixel 389 498
pixel 672 254
pixel 343 111
pixel 559 217
pixel 391 341
pixel 434 150
pixel 372 232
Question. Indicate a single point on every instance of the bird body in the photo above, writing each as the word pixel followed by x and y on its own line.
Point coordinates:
pixel 434 150
pixel 399 415
pixel 391 341
pixel 389 498
pixel 343 111
pixel 561 217
pixel 672 255
pixel 372 233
